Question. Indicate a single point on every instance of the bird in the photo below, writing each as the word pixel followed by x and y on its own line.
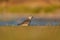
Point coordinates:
pixel 26 22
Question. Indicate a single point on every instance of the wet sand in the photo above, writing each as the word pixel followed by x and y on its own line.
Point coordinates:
pixel 10 16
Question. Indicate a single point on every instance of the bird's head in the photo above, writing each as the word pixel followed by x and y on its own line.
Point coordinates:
pixel 30 17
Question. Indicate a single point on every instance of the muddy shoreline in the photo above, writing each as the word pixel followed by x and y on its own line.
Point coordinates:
pixel 10 16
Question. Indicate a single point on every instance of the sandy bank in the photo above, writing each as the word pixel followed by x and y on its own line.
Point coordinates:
pixel 10 16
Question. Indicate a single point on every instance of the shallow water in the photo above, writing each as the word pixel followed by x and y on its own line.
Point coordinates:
pixel 34 22
pixel 12 22
pixel 44 22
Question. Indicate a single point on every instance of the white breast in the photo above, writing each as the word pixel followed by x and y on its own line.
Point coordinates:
pixel 30 17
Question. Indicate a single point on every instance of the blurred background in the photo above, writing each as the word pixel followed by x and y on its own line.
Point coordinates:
pixel 42 8
pixel 11 9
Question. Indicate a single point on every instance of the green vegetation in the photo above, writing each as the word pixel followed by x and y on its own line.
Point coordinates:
pixel 30 33
pixel 33 10
pixel 51 9
pixel 36 10
pixel 1 9
pixel 26 9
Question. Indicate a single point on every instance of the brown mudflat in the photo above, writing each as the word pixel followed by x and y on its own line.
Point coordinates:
pixel 30 33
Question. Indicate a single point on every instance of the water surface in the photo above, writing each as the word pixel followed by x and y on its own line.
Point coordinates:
pixel 34 22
